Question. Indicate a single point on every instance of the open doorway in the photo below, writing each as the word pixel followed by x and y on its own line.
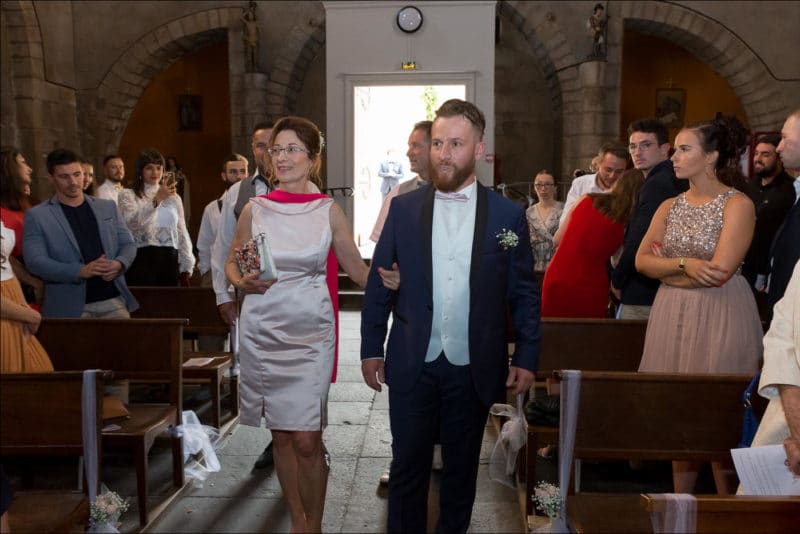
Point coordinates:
pixel 383 116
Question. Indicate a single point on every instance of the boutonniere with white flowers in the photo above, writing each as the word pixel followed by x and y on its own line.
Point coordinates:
pixel 507 239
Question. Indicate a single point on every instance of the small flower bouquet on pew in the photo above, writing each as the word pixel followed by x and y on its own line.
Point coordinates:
pixel 105 511
pixel 547 498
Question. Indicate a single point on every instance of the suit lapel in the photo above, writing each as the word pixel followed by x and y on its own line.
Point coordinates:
pixel 58 215
pixel 478 237
pixel 426 231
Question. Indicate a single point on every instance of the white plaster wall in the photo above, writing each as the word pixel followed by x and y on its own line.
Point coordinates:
pixel 362 38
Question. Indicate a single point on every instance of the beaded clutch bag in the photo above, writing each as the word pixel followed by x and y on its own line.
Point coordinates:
pixel 255 257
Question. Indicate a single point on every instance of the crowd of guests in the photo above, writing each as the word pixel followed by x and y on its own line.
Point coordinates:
pixel 689 244
pixel 666 240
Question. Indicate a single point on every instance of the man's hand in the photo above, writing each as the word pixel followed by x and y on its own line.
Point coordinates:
pixel 391 279
pixel 250 283
pixel 792 447
pixel 110 268
pixel 616 292
pixel 372 370
pixel 184 279
pixel 96 267
pixel 520 379
pixel 227 310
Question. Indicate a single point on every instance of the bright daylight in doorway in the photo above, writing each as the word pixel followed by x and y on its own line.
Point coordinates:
pixel 383 119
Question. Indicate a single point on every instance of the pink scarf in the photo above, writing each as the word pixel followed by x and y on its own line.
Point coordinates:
pixel 332 272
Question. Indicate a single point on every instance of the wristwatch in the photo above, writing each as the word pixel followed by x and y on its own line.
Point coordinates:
pixel 682 266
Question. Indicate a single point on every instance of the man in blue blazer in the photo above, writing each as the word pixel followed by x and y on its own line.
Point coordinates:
pixel 465 260
pixel 79 246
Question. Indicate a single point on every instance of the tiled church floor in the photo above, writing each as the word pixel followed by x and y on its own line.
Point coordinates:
pixel 238 499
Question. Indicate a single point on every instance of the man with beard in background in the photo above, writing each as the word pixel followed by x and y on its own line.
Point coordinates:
pixel 772 192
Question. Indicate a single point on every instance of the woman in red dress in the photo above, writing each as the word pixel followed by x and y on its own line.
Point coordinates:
pixel 576 281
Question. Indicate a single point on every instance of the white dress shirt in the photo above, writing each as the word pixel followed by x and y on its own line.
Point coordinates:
pixel 224 238
pixel 109 190
pixel 581 185
pixel 207 234
pixel 781 363
pixel 453 227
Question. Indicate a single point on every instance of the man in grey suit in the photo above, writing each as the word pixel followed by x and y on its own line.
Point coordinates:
pixel 79 246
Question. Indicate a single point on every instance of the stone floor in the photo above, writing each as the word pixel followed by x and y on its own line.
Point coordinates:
pixel 238 499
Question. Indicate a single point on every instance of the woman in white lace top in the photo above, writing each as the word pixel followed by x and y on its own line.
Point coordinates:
pixel 154 214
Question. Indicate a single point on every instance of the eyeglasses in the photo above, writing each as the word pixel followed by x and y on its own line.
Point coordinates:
pixel 290 150
pixel 543 186
pixel 644 145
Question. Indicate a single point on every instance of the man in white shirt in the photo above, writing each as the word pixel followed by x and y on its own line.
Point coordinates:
pixel 234 168
pixel 614 160
pixel 114 172
pixel 419 157
pixel 234 199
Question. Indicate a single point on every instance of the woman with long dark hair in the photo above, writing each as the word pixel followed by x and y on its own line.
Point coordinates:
pixel 154 214
pixel 704 318
pixel 15 198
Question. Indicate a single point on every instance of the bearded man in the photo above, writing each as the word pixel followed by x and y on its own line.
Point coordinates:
pixel 464 256
pixel 772 192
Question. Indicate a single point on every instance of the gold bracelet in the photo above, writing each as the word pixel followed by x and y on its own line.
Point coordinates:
pixel 682 266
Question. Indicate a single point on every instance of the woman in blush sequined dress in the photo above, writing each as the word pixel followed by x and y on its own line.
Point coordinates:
pixel 704 318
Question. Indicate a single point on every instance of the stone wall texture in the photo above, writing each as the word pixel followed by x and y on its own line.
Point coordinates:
pixel 72 72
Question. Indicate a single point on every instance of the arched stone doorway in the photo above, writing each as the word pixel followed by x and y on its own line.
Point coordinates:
pixel 714 44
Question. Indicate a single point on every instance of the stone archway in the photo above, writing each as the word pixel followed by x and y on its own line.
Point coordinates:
pixel 718 47
pixel 106 110
pixel 578 89
pixel 37 103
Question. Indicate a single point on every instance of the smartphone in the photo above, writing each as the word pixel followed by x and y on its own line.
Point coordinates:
pixel 169 179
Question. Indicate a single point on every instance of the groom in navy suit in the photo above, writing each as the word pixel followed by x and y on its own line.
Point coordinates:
pixel 465 259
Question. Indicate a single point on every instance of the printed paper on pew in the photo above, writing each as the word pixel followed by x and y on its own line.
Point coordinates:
pixel 197 362
pixel 762 472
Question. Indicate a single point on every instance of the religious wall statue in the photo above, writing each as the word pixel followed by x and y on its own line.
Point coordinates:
pixel 597 29
pixel 250 37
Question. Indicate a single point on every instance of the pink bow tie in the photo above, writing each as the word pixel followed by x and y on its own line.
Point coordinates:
pixel 458 197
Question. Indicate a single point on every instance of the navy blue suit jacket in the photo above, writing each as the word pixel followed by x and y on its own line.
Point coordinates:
pixel 660 184
pixel 499 280
pixel 785 255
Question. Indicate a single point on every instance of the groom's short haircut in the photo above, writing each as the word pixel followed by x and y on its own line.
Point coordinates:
pixel 455 107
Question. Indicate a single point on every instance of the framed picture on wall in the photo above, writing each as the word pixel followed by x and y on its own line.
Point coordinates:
pixel 190 112
pixel 670 107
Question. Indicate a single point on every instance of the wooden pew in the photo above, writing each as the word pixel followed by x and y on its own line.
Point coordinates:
pixel 724 514
pixel 199 306
pixel 649 416
pixel 41 415
pixel 585 344
pixel 141 350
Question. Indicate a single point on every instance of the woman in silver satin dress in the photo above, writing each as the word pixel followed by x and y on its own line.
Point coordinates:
pixel 704 318
pixel 287 327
